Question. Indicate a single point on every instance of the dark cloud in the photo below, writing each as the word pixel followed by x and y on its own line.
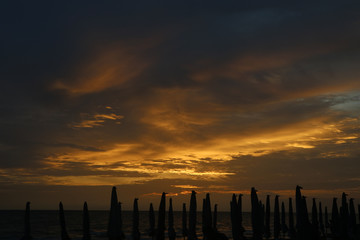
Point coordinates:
pixel 156 94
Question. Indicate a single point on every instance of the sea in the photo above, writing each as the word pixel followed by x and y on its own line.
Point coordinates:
pixel 45 224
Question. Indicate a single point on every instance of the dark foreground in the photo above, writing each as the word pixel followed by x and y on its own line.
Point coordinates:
pixel 264 222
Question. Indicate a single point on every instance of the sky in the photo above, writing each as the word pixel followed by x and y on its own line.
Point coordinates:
pixel 175 96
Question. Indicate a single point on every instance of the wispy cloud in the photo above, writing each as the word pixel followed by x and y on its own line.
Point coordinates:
pixel 97 120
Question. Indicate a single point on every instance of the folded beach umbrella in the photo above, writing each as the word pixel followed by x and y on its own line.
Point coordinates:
pixel 160 233
pixel 135 227
pixel 276 218
pixel 184 221
pixel 86 223
pixel 292 231
pixel 27 230
pixel 192 217
pixel 267 232
pixel 171 230
pixel 284 227
pixel 64 235
pixel 152 221
pixel 321 221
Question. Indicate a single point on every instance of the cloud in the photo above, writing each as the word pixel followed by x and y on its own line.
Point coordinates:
pixel 173 96
pixel 97 120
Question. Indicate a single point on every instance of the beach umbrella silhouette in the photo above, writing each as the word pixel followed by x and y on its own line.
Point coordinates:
pixel 314 218
pixel 120 221
pixel 64 235
pixel 298 205
pixel 160 233
pixel 359 211
pixel 114 230
pixel 276 218
pixel 292 231
pixel 184 221
pixel 135 227
pixel 192 217
pixel 234 214
pixel 284 227
pixel 208 211
pixel 203 215
pixel 207 218
pixel 240 217
pixel 335 225
pixel 321 221
pixel 352 219
pixel 267 232
pixel 27 229
pixel 327 224
pixel 86 222
pixel 344 214
pixel 152 221
pixel 171 230
pixel 215 218
pixel 256 212
pixel 262 217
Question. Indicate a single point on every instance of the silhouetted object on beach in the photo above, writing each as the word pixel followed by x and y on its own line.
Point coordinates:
pixel 321 221
pixel 114 227
pixel 314 220
pixel 120 221
pixel 298 207
pixel 284 227
pixel 86 223
pixel 152 221
pixel 209 232
pixel 267 232
pixel 327 223
pixel 352 220
pixel 135 226
pixel 292 231
pixel 240 217
pixel 27 229
pixel 184 222
pixel 207 218
pixel 171 230
pixel 344 215
pixel 256 218
pixel 335 224
pixel 234 218
pixel 276 218
pixel 359 211
pixel 303 225
pixel 160 231
pixel 64 235
pixel 215 218
pixel 262 217
pixel 192 217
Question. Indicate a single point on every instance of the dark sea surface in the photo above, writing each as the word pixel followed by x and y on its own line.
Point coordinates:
pixel 45 224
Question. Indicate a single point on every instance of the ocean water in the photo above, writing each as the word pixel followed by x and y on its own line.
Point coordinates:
pixel 45 224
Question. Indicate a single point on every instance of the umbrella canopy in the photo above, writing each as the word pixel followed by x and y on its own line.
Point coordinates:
pixel 192 217
pixel 152 221
pixel 184 221
pixel 267 232
pixel 160 233
pixel 86 222
pixel 292 232
pixel 64 235
pixel 135 227
pixel 277 218
pixel 171 230
pixel 27 229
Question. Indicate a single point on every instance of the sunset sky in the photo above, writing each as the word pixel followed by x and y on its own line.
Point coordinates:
pixel 174 96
